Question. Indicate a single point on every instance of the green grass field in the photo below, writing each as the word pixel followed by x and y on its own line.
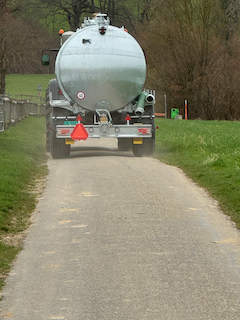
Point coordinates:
pixel 209 153
pixel 22 153
pixel 27 84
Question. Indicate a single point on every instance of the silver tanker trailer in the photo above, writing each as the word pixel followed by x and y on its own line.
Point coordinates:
pixel 100 72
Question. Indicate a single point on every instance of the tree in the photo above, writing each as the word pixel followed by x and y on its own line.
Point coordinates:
pixel 231 20
pixel 187 55
pixel 120 12
pixel 64 10
pixel 4 13
pixel 131 13
pixel 21 45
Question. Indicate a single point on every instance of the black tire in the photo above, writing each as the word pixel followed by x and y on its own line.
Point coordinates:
pixel 149 143
pixel 53 88
pixel 138 150
pixel 147 148
pixel 124 144
pixel 58 148
pixel 48 121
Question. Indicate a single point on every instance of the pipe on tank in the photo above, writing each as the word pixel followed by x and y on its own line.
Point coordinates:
pixel 150 98
pixel 143 97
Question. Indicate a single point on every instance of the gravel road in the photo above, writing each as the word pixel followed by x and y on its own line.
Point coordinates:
pixel 125 238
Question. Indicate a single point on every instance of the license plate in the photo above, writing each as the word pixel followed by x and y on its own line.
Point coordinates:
pixel 69 141
pixel 137 140
pixel 70 123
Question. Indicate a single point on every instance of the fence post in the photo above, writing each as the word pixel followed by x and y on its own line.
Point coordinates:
pixel 1 115
pixel 186 109
pixel 12 111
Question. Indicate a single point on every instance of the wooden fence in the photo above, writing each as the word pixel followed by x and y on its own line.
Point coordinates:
pixel 13 111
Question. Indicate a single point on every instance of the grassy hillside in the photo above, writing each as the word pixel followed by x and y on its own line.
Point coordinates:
pixel 27 84
pixel 209 153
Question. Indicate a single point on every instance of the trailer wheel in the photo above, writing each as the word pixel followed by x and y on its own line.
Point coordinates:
pixel 146 149
pixel 124 144
pixel 138 150
pixel 48 121
pixel 149 146
pixel 149 143
pixel 58 148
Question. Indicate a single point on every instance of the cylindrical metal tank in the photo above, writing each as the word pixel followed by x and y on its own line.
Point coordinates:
pixel 101 71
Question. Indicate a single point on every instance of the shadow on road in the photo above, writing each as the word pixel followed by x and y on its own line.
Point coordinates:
pixel 84 152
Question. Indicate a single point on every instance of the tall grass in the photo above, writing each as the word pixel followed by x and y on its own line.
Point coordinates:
pixel 209 153
pixel 22 153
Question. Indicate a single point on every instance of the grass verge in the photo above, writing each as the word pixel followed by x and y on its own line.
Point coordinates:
pixel 27 84
pixel 22 158
pixel 209 153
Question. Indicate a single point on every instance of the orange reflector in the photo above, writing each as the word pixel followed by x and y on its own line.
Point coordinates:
pixel 79 132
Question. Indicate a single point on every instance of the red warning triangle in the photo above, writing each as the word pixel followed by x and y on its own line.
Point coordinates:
pixel 128 118
pixel 79 132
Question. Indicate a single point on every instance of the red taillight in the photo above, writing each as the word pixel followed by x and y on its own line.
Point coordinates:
pixel 60 92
